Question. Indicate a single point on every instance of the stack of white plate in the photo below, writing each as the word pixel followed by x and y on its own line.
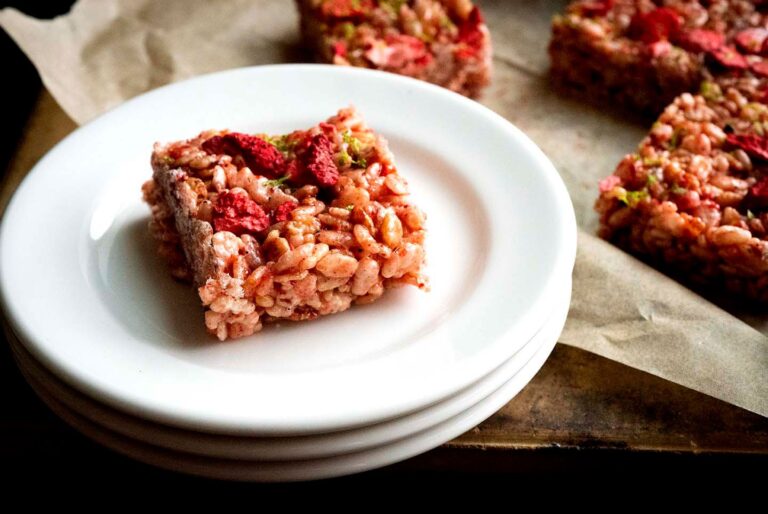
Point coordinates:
pixel 118 350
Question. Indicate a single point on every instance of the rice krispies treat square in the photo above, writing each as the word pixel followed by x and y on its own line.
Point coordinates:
pixel 445 42
pixel 640 54
pixel 286 227
pixel 694 197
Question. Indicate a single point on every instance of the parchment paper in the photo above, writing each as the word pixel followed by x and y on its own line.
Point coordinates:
pixel 106 51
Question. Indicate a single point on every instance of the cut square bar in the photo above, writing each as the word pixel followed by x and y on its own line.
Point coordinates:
pixel 694 197
pixel 286 227
pixel 639 55
pixel 445 42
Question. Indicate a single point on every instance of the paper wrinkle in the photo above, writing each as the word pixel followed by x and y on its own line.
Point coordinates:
pixel 106 51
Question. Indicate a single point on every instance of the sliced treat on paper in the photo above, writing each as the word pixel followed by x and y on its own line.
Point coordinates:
pixel 441 41
pixel 639 55
pixel 694 197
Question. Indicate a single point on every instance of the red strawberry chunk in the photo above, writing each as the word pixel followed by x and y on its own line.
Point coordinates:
pixel 699 40
pixel 340 48
pixel 755 146
pixel 759 67
pixel 751 40
pixel 760 190
pixel 283 211
pixel 470 35
pixel 261 157
pixel 609 183
pixel 655 25
pixel 399 51
pixel 318 161
pixel 238 214
pixel 729 57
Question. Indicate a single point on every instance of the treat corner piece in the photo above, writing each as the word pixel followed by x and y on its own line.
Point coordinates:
pixel 693 198
pixel 639 56
pixel 445 42
pixel 285 227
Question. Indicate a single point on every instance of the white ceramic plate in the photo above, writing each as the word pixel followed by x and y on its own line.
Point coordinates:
pixel 83 289
pixel 289 448
pixel 274 471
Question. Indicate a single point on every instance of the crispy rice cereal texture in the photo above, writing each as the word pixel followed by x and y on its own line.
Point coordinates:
pixel 284 227
pixel 640 54
pixel 441 41
pixel 695 195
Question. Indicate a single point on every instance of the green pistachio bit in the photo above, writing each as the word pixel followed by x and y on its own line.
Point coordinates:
pixel 677 190
pixel 351 141
pixel 632 198
pixel 651 179
pixel 652 161
pixel 750 215
pixel 348 30
pixel 392 5
pixel 349 207
pixel 674 141
pixel 711 91
pixel 344 158
pixel 277 182
pixel 446 22
pixel 282 143
pixel 353 144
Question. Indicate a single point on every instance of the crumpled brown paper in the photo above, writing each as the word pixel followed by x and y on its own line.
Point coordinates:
pixel 106 51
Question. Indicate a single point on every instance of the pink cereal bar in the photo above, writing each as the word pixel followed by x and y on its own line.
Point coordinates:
pixel 639 55
pixel 286 227
pixel 445 42
pixel 694 197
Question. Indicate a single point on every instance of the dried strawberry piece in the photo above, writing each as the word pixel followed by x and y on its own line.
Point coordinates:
pixel 339 49
pixel 283 211
pixel 424 60
pixel 762 95
pixel 237 213
pixel 759 67
pixel 699 40
pixel 595 7
pixel 318 161
pixel 293 170
pixel 261 157
pixel 345 8
pixel 470 36
pixel 760 190
pixel 751 40
pixel 655 25
pixel 609 183
pixel 729 57
pixel 757 197
pixel 755 146
pixel 398 51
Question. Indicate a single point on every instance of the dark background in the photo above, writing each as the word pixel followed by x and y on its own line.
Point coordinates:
pixel 35 447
